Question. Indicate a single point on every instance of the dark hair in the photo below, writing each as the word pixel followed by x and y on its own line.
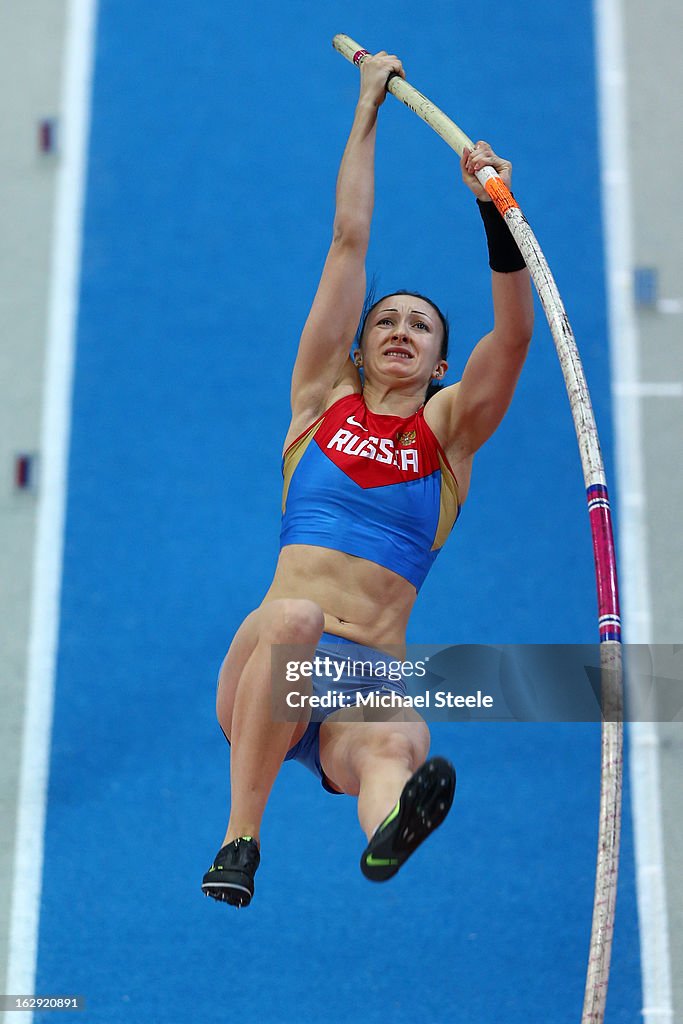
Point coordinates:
pixel 372 303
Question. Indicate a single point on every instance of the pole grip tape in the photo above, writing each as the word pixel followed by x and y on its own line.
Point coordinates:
pixel 501 195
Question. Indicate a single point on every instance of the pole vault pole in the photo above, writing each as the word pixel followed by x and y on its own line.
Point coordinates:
pixel 609 621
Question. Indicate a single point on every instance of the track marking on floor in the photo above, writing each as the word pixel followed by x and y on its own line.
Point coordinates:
pixel 628 391
pixel 47 567
pixel 650 389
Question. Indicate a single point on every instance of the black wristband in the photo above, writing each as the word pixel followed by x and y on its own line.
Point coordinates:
pixel 504 255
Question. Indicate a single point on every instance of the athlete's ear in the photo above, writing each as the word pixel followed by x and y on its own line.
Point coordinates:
pixel 440 370
pixel 358 357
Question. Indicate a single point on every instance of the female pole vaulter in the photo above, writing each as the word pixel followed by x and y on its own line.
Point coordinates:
pixel 374 478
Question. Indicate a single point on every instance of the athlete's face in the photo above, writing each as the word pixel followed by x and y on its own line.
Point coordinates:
pixel 402 342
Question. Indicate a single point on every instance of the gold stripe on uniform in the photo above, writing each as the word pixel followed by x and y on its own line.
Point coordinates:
pixel 293 457
pixel 449 505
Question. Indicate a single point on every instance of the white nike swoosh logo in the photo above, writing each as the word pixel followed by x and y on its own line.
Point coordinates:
pixel 355 423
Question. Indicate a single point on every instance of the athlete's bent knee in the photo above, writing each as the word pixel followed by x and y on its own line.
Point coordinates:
pixel 408 745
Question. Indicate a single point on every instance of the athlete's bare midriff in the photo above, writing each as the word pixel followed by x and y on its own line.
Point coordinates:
pixel 361 600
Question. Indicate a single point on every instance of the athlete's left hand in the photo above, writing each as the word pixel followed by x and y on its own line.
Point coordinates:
pixel 483 156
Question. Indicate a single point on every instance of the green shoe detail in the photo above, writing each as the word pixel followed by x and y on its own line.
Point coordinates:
pixel 390 817
pixel 424 803
pixel 379 862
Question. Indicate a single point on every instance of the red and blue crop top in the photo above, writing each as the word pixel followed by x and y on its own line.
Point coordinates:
pixel 375 486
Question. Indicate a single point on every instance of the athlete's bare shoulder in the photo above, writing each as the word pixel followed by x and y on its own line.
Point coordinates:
pixel 438 411
pixel 348 383
pixel 437 414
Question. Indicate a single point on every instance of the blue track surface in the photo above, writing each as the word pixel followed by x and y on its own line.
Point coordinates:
pixel 216 139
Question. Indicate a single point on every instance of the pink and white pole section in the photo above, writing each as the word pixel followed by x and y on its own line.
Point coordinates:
pixel 609 621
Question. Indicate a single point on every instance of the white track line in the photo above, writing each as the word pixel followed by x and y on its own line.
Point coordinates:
pixel 627 393
pixel 650 389
pixel 55 434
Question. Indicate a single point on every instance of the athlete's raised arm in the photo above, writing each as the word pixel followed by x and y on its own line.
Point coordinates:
pixel 323 355
pixel 480 400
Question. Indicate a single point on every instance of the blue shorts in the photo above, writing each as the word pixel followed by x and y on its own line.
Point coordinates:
pixel 361 675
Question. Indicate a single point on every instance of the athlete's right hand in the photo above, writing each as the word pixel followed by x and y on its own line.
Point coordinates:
pixel 374 74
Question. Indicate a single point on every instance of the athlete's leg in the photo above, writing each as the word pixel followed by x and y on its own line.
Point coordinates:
pixel 401 797
pixel 245 704
pixel 373 760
